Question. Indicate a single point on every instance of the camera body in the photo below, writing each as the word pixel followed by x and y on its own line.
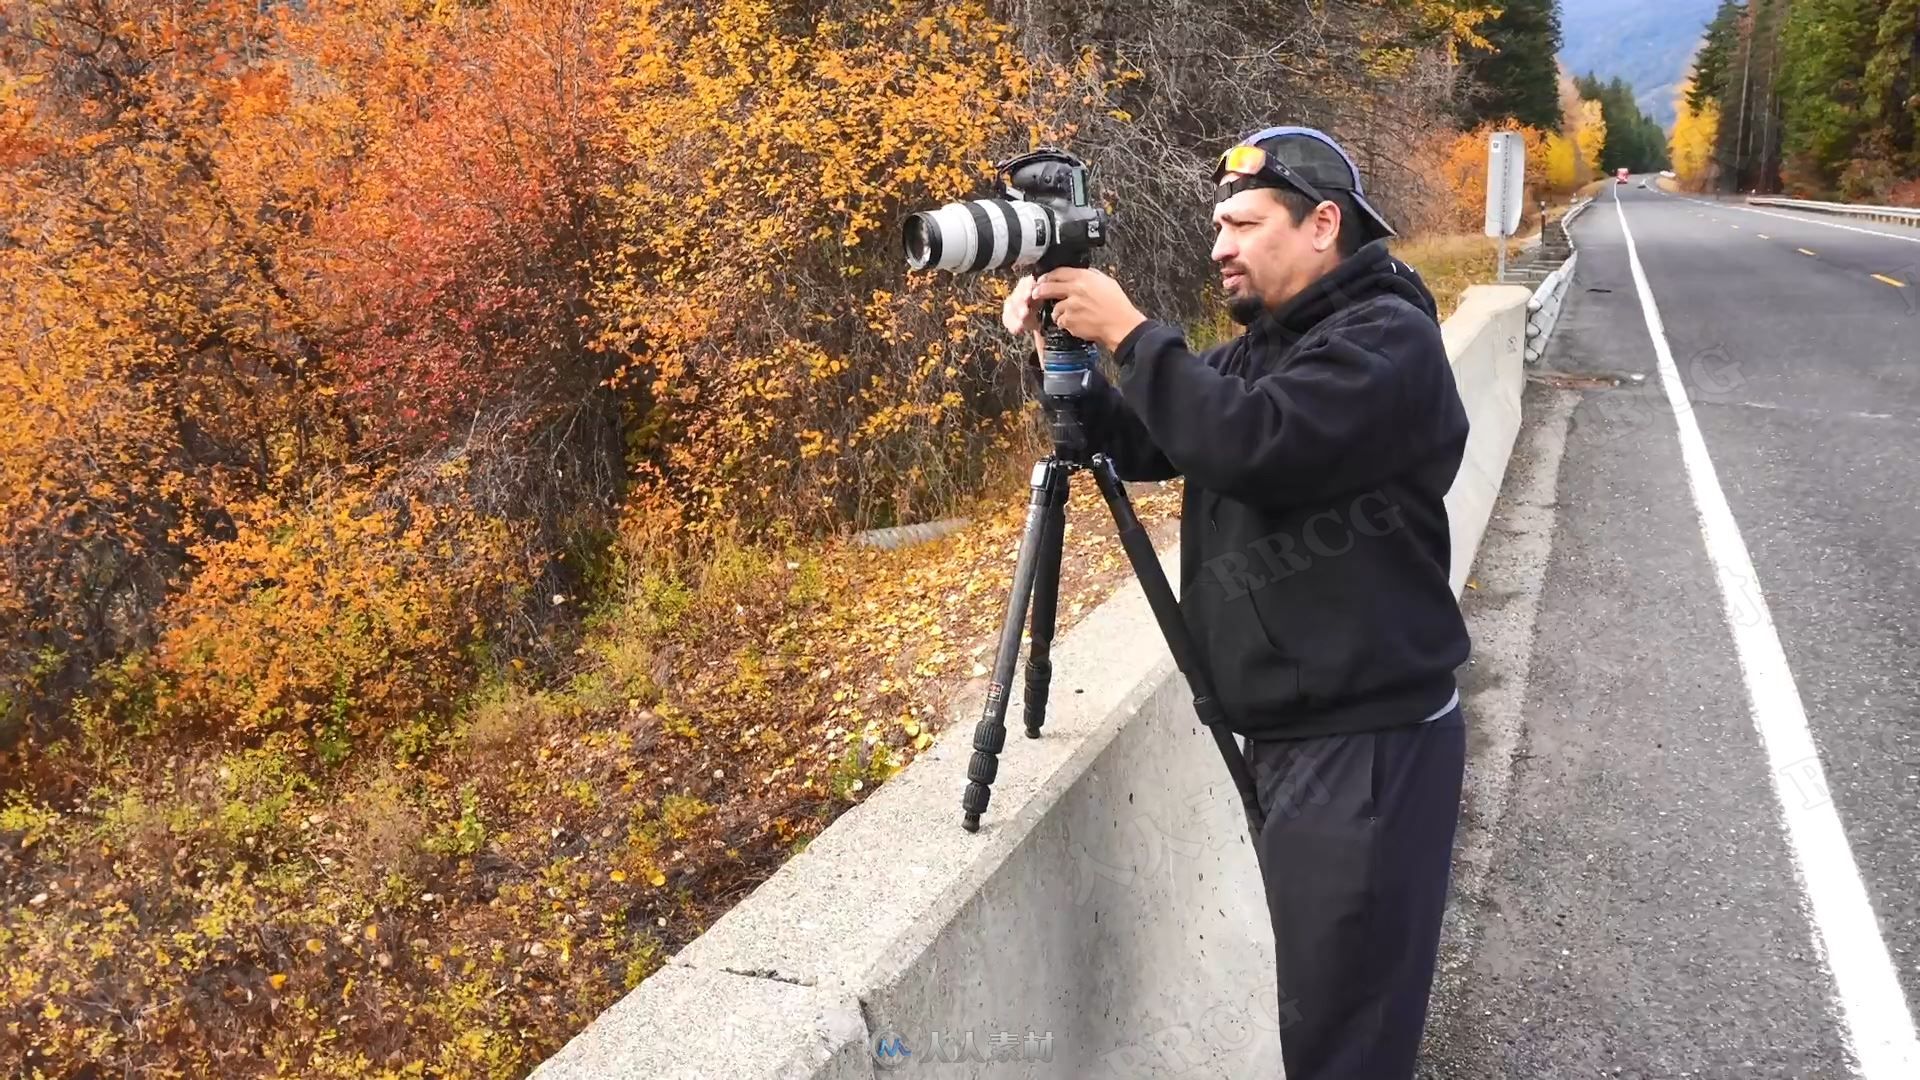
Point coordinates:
pixel 1047 220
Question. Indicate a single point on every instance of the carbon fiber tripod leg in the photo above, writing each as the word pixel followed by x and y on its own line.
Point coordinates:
pixel 1046 601
pixel 990 733
pixel 1173 627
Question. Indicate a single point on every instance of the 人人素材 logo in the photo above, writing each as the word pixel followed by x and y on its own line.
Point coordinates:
pixel 889 1049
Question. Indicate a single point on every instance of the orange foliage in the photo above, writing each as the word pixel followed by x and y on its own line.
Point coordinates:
pixel 331 620
pixel 157 361
pixel 454 269
pixel 92 480
pixel 250 249
pixel 1459 160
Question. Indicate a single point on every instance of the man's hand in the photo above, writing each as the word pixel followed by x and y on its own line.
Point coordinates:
pixel 1020 314
pixel 1089 305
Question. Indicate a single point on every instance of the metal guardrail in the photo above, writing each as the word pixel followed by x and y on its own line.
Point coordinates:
pixel 1567 218
pixel 1543 309
pixel 1898 215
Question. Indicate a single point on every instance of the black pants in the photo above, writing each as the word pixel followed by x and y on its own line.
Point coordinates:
pixel 1355 848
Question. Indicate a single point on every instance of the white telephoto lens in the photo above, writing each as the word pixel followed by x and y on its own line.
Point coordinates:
pixel 983 234
pixel 1033 230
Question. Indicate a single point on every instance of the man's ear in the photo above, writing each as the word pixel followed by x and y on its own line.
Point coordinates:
pixel 1326 226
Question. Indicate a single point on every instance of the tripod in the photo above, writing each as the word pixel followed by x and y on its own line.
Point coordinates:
pixel 1066 372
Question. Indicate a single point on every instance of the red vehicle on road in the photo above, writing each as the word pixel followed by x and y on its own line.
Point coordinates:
pixel 1620 176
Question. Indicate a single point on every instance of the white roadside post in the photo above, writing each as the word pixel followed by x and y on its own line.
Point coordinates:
pixel 1506 181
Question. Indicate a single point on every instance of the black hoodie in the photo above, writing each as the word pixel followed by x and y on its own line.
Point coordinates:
pixel 1318 447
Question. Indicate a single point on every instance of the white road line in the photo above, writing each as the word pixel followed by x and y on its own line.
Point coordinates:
pixel 1815 413
pixel 1879 1029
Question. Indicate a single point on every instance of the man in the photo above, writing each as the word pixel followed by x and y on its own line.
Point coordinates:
pixel 1317 448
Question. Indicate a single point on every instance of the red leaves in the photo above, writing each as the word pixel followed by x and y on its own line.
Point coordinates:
pixel 459 259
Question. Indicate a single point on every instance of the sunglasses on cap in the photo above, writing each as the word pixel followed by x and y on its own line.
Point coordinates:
pixel 1250 164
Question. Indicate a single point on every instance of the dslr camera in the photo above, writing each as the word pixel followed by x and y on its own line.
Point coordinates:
pixel 1046 220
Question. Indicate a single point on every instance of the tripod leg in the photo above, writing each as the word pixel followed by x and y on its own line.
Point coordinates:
pixel 1166 611
pixel 990 734
pixel 1046 598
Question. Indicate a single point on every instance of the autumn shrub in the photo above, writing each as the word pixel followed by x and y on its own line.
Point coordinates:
pixel 453 278
pixel 1872 173
pixel 249 243
pixel 98 486
pixel 335 619
pixel 772 149
pixel 1459 160
pixel 453 283
pixel 164 362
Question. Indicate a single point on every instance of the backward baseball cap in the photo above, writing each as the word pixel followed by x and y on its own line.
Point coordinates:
pixel 1321 162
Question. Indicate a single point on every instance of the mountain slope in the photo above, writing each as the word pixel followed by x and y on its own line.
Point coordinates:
pixel 1645 42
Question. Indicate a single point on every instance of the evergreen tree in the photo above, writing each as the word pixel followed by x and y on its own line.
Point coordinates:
pixel 1893 84
pixel 1819 97
pixel 1824 46
pixel 1634 141
pixel 1715 58
pixel 1520 78
pixel 1750 104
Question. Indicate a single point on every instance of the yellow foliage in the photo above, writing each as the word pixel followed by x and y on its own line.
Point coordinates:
pixel 1691 145
pixel 1562 172
pixel 1577 119
pixel 773 152
pixel 1457 25
pixel 1459 160
pixel 1591 134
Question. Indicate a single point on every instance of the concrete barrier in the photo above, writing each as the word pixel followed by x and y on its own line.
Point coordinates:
pixel 1486 339
pixel 1107 921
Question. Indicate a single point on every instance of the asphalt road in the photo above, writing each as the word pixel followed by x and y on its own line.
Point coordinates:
pixel 1644 890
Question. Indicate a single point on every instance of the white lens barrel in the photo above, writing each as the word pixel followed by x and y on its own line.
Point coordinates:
pixel 1032 233
pixel 984 234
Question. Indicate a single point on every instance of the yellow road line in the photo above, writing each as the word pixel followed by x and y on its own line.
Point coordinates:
pixel 1804 251
pixel 1896 283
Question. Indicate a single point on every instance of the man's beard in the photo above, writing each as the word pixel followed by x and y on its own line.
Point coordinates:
pixel 1245 308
